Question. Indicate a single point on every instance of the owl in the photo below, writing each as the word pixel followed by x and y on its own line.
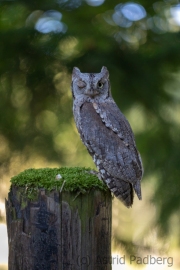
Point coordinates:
pixel 106 134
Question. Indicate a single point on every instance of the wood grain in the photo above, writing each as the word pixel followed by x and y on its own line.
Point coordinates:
pixel 59 231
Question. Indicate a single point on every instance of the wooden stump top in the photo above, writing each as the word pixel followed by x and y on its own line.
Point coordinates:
pixel 59 219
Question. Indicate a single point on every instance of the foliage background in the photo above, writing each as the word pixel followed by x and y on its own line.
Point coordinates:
pixel 143 57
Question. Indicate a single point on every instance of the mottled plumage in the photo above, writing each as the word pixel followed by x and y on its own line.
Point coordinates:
pixel 107 134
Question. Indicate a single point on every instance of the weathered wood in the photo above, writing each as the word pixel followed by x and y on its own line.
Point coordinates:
pixel 59 230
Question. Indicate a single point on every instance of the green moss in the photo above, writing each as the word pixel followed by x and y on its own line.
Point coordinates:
pixel 73 179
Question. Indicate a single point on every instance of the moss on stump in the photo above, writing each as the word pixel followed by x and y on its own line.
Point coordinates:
pixel 59 218
pixel 73 179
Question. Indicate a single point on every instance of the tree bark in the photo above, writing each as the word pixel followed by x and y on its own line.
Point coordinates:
pixel 59 231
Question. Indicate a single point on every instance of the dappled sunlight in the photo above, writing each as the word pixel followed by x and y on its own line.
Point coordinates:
pixel 3 267
pixel 172 86
pixel 68 48
pixel 47 122
pixel 134 22
pixel 4 148
pixel 2 206
pixel 95 3
pixel 46 22
pixel 148 250
pixel 74 152
pixel 66 140
pixel 61 82
pixel 20 161
pixel 137 236
pixel 171 113
pixel 69 4
pixel 175 12
pixel 137 118
pixel 132 224
pixel 130 11
pixel 131 31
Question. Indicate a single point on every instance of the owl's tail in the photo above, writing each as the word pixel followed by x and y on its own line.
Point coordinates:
pixel 137 188
pixel 122 190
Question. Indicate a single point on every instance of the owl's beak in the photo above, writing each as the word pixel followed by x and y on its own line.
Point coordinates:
pixel 91 93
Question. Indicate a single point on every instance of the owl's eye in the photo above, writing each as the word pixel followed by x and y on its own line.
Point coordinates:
pixel 81 84
pixel 100 85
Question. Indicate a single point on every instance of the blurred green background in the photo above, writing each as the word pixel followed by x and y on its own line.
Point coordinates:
pixel 139 42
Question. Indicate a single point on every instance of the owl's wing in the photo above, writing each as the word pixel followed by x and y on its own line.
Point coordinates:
pixel 114 119
pixel 109 139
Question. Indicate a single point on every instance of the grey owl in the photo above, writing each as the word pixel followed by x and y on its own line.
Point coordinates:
pixel 107 134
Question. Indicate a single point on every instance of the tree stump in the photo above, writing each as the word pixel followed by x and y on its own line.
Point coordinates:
pixel 59 229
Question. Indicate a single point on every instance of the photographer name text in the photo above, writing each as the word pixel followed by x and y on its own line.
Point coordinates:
pixel 132 259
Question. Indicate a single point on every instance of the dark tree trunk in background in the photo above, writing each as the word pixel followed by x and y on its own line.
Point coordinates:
pixel 59 230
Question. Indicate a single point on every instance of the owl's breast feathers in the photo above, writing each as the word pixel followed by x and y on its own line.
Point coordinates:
pixel 109 139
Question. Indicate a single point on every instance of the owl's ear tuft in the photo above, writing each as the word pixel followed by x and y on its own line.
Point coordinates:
pixel 105 71
pixel 76 71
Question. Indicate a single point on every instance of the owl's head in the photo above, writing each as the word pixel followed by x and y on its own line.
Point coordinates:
pixel 92 85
